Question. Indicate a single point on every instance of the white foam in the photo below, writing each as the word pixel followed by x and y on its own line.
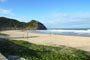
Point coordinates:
pixel 74 31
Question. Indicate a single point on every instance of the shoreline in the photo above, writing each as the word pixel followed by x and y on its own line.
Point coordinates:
pixel 51 40
pixel 81 33
pixel 60 34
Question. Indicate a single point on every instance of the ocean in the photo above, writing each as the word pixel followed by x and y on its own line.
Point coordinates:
pixel 85 32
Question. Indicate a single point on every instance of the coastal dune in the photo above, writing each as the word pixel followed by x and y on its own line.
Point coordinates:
pixel 51 40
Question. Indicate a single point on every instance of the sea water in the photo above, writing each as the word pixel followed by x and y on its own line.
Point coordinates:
pixel 65 31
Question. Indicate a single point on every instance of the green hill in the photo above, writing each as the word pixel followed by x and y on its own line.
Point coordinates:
pixel 35 25
pixel 7 23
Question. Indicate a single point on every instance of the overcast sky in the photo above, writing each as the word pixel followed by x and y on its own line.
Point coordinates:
pixel 53 13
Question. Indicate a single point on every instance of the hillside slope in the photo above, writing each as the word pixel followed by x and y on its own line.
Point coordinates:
pixel 7 23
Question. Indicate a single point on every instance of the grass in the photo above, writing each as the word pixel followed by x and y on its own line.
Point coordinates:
pixel 39 52
pixel 2 34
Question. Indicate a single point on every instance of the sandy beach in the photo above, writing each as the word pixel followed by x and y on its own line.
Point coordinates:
pixel 52 40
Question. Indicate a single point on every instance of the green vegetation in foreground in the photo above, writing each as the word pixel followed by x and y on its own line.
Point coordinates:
pixel 39 52
pixel 2 34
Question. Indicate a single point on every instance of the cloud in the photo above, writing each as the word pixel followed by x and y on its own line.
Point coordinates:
pixel 24 19
pixel 68 20
pixel 3 0
pixel 6 12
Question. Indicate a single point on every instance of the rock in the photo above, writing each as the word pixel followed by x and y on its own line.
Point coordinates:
pixel 2 57
pixel 11 57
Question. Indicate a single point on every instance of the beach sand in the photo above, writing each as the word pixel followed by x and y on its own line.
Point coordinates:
pixel 51 40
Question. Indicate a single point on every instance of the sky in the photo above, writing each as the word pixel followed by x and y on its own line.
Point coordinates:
pixel 52 13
